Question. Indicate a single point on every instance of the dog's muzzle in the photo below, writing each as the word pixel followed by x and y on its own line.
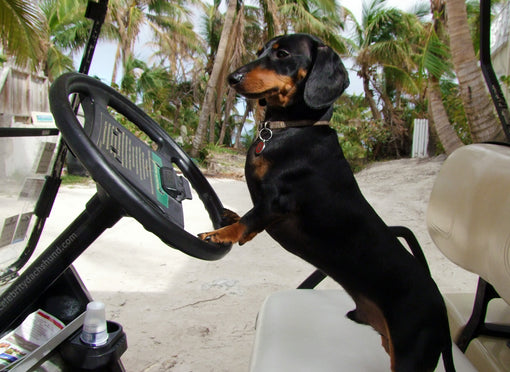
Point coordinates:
pixel 235 78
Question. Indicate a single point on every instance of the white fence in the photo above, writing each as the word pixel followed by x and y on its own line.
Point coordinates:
pixel 420 138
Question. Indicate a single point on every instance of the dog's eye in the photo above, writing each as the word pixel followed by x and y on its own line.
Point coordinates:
pixel 282 53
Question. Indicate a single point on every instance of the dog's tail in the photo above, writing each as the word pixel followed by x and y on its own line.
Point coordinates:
pixel 449 366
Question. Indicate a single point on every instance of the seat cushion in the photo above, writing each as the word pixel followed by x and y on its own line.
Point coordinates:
pixel 306 330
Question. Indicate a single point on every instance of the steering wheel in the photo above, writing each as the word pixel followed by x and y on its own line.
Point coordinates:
pixel 138 176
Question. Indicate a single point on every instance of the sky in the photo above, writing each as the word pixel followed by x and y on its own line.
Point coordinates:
pixel 103 60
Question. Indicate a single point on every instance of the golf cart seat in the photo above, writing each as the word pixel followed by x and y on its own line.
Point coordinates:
pixel 305 330
pixel 468 219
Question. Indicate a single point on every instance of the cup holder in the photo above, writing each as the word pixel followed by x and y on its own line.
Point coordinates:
pixel 80 355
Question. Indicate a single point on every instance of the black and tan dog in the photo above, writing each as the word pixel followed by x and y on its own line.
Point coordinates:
pixel 306 197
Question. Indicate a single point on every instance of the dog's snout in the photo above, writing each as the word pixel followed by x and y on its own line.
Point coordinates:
pixel 235 78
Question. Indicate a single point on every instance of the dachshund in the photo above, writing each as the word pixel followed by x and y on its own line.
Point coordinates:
pixel 306 197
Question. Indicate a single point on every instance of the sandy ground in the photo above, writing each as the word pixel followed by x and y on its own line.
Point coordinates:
pixel 183 314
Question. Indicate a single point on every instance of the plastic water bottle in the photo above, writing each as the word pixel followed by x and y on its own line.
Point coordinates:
pixel 94 331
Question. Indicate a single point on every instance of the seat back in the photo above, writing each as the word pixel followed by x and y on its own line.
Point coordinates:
pixel 468 215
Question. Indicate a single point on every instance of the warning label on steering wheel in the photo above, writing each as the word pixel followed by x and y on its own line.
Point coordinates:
pixel 132 156
pixel 136 161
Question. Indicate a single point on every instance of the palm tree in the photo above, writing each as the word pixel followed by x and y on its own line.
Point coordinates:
pixel 42 35
pixel 375 43
pixel 20 28
pixel 434 58
pixel 176 43
pixel 126 18
pixel 479 109
pixel 218 66
pixel 65 31
pixel 213 21
pixel 385 64
pixel 322 18
pixel 174 38
pixel 447 135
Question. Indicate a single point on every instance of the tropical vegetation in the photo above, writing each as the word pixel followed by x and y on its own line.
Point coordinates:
pixel 419 63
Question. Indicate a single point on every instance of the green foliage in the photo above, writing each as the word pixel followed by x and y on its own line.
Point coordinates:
pixel 20 28
pixel 248 137
pixel 455 109
pixel 169 102
pixel 70 179
pixel 505 79
pixel 361 137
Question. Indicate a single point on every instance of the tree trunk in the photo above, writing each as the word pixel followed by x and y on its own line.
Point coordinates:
pixel 212 125
pixel 229 104
pixel 115 65
pixel 447 135
pixel 369 95
pixel 477 104
pixel 239 132
pixel 208 104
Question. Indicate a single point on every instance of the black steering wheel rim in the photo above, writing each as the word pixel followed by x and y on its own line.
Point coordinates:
pixel 132 200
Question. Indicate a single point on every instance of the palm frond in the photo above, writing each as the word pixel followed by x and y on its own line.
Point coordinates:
pixel 21 27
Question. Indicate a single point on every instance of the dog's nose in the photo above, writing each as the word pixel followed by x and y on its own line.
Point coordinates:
pixel 235 78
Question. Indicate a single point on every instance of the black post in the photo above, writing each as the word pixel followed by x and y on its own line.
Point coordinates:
pixel 488 71
pixel 90 224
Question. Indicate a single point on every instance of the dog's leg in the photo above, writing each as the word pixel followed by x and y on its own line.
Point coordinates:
pixel 240 232
pixel 228 217
pixel 253 222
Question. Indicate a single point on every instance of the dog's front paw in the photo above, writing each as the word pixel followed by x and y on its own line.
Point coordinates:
pixel 227 235
pixel 211 236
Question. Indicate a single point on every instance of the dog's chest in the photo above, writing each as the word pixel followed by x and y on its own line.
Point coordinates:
pixel 257 163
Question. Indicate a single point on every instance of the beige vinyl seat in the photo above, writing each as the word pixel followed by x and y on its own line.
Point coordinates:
pixel 305 330
pixel 469 220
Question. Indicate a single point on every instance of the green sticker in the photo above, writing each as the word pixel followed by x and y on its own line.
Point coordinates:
pixel 157 163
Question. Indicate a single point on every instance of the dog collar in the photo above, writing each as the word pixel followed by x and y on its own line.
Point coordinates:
pixel 291 124
pixel 265 132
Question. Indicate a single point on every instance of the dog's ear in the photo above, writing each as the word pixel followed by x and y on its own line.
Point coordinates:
pixel 327 80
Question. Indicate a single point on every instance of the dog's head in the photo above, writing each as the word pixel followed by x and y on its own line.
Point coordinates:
pixel 291 66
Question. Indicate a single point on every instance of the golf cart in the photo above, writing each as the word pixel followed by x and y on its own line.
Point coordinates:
pixel 297 330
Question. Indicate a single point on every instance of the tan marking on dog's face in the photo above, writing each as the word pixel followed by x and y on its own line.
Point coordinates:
pixel 302 73
pixel 286 92
pixel 276 46
pixel 284 96
pixel 264 83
